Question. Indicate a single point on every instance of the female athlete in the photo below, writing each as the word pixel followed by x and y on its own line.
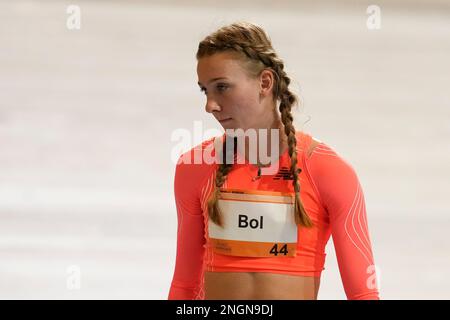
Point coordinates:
pixel 247 235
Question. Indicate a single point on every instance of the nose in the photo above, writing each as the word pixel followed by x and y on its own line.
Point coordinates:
pixel 211 105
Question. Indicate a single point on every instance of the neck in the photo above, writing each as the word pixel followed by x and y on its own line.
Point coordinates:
pixel 271 153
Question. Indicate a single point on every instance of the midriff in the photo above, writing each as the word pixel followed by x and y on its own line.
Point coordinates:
pixel 259 286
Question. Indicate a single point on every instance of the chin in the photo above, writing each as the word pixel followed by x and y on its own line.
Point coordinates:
pixel 229 128
pixel 228 125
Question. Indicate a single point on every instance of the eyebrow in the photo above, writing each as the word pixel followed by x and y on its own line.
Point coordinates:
pixel 212 80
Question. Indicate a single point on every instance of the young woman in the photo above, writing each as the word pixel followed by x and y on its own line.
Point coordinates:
pixel 247 235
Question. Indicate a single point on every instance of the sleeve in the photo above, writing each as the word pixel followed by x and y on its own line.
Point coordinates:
pixel 343 198
pixel 190 235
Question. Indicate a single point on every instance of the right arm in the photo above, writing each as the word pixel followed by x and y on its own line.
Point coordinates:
pixel 186 281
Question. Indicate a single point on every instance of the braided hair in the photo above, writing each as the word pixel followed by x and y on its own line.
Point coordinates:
pixel 254 48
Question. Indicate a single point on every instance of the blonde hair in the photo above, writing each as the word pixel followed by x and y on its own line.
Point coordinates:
pixel 254 48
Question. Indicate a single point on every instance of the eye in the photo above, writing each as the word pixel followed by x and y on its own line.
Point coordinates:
pixel 221 87
pixel 203 90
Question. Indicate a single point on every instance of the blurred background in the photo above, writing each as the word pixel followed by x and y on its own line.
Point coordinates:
pixel 87 114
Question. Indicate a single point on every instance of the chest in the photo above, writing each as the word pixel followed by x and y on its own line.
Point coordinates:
pixel 255 224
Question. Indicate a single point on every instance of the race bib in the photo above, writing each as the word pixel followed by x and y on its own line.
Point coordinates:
pixel 256 224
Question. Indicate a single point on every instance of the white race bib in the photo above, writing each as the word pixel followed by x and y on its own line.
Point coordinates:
pixel 256 224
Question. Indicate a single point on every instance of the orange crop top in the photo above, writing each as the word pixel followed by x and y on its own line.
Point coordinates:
pixel 330 193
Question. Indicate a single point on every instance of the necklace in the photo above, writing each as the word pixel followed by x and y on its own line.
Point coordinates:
pixel 258 176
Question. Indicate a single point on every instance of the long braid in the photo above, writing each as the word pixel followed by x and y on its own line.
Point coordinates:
pixel 254 47
pixel 222 171
pixel 301 217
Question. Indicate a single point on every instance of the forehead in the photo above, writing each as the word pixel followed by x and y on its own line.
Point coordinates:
pixel 222 64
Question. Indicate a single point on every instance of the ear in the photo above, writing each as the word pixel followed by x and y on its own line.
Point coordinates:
pixel 266 82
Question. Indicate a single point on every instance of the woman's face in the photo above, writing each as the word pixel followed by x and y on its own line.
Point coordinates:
pixel 234 98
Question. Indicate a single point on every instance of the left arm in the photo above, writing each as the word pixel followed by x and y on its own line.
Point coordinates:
pixel 343 198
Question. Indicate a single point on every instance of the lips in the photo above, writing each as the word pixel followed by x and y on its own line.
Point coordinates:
pixel 223 120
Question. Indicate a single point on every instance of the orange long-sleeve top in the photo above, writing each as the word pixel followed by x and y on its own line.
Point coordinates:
pixel 330 193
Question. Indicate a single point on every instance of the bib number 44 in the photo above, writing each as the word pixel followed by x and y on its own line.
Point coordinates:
pixel 275 250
